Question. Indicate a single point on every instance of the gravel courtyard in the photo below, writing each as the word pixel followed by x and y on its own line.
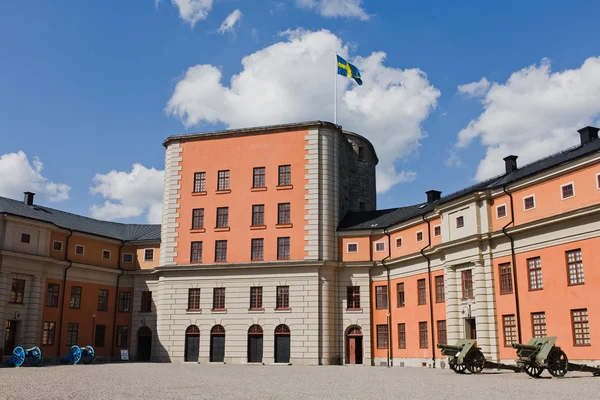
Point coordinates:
pixel 185 381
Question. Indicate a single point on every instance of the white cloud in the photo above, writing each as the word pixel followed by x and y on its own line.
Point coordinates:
pixel 534 113
pixel 454 160
pixel 192 11
pixel 228 24
pixel 336 8
pixel 292 80
pixel 18 175
pixel 129 194
pixel 156 2
pixel 475 89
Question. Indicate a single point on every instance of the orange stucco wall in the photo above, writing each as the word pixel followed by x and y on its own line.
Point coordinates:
pixel 140 261
pixel 240 155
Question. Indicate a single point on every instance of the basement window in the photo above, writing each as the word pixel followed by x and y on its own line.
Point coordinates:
pixel 352 247
pixel 380 246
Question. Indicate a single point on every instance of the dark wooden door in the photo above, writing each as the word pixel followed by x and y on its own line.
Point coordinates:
pixel 470 328
pixel 217 348
pixel 255 348
pixel 192 345
pixel 282 348
pixel 145 348
pixel 10 338
pixel 351 350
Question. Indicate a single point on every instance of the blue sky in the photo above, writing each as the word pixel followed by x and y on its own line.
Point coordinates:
pixel 96 86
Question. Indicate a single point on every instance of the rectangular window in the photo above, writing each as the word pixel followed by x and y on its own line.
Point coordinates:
pixel 398 243
pixel 380 246
pixel 510 330
pixel 402 336
pixel 257 249
pixel 72 333
pixel 194 299
pixel 567 191
pixel 75 301
pixel 148 254
pixel 422 292
pixel 256 298
pixel 219 298
pixel 283 297
pixel 352 247
pixel 102 300
pixel 124 301
pixel 196 253
pixel 538 322
pixel 581 328
pixel 437 231
pixel 283 248
pixel 442 336
pixel 258 177
pixel 25 238
pixel 575 267
pixel 220 250
pixel 420 236
pixel 423 340
pixel 52 295
pixel 361 153
pixel 79 249
pixel 198 218
pixel 223 182
pixel 17 291
pixel 122 335
pixel 534 267
pixel 222 217
pixel 284 213
pixel 57 246
pixel 49 333
pixel 598 181
pixel 100 335
pixel 460 222
pixel 382 336
pixel 529 202
pixel 501 211
pixel 127 257
pixel 440 292
pixel 381 297
pixel 353 297
pixel 400 289
pixel 258 215
pixel 106 254
pixel 506 283
pixel 467 284
pixel 146 303
pixel 285 175
pixel 199 182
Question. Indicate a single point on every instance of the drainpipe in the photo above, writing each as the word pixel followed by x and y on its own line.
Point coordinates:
pixel 114 325
pixel 389 292
pixel 429 284
pixel 514 262
pixel 64 291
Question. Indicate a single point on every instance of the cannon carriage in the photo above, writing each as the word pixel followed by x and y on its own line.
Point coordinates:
pixel 465 355
pixel 84 354
pixel 19 355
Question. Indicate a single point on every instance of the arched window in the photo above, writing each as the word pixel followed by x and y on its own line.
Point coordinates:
pixel 217 330
pixel 255 330
pixel 282 330
pixel 354 331
pixel 192 330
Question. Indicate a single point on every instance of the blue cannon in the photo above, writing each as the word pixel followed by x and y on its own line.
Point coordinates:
pixel 19 355
pixel 84 354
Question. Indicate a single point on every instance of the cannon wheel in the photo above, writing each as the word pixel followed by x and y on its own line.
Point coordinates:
pixel 458 368
pixel 34 356
pixel 475 361
pixel 533 371
pixel 557 362
pixel 74 354
pixel 88 355
pixel 18 356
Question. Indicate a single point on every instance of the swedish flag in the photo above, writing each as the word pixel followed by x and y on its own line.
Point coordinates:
pixel 348 70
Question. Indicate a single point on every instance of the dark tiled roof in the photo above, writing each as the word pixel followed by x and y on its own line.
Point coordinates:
pixel 386 218
pixel 62 219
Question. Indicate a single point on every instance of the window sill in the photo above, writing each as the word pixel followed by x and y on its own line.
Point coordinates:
pixel 285 187
pixel 256 310
pixel 502 294
pixel 440 302
pixel 145 311
pixel 199 193
pixel 16 304
pixel 219 311
pixel 198 230
pixel 223 229
pixel 354 310
pixel 258 189
pixel 581 345
pixel 284 226
pixel 193 311
pixel 576 284
pixel 223 191
pixel 283 310
pixel 381 308
pixel 257 227
pixel 536 290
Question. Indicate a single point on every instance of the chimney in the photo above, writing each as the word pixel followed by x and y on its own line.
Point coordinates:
pixel 510 163
pixel 588 134
pixel 433 195
pixel 29 198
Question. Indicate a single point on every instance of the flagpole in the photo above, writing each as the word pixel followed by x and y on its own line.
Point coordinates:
pixel 335 92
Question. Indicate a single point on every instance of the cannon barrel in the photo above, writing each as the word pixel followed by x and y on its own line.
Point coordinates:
pixel 449 347
pixel 520 346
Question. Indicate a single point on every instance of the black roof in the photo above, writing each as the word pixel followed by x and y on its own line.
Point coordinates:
pixel 358 220
pixel 62 219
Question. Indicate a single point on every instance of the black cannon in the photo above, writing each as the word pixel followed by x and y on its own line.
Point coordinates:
pixel 541 353
pixel 465 355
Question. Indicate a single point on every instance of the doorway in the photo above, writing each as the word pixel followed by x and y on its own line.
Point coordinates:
pixel 470 329
pixel 217 344
pixel 144 347
pixel 282 344
pixel 192 343
pixel 354 345
pixel 255 344
pixel 10 337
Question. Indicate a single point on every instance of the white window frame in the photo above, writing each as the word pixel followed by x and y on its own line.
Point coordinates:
pixel 75 249
pixel 109 254
pixel 505 211
pixel 123 258
pixel 567 184
pixel 145 255
pixel 597 182
pixel 401 242
pixel 57 241
pixel 437 226
pixel 348 247
pixel 379 251
pixel 417 236
pixel 534 202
